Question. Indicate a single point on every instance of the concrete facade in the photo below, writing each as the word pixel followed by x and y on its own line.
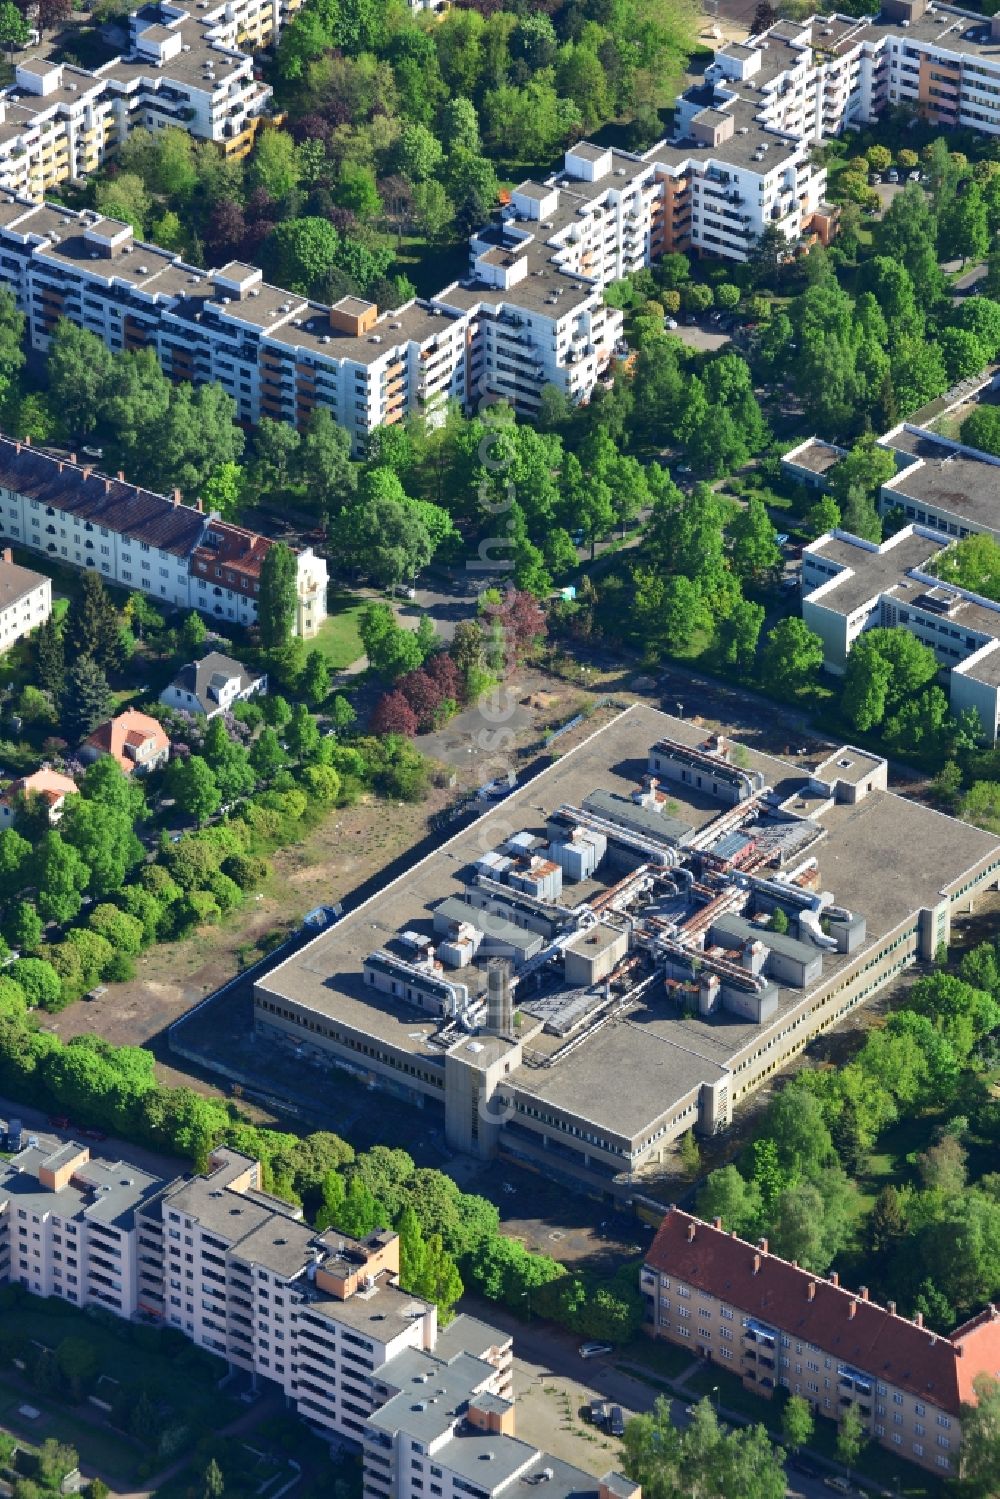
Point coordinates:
pixel 696 1012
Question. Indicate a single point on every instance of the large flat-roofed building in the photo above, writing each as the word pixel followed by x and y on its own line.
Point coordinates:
pixel 651 956
pixel 317 1315
pixel 850 586
pixel 778 1326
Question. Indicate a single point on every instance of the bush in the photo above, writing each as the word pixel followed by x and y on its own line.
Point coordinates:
pixel 38 981
pixel 124 932
pixel 246 870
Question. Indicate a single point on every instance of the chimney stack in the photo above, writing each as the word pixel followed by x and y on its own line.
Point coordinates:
pixel 762 1246
pixel 852 1311
pixel 121 476
pixel 107 486
pixel 756 1264
pixel 716 1222
pixel 27 441
pixel 863 1293
pixel 892 1308
pixel 176 496
pixel 197 505
pixel 918 1319
pixel 72 457
pixel 691 1232
pixel 834 1278
pixel 811 1291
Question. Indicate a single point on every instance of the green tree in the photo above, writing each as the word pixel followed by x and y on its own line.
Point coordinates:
pixel 851 1437
pixel 266 755
pixel 60 876
pixel 50 656
pixel 963 230
pixel 688 1155
pixel 22 926
pixel 792 656
pixel 213 1483
pixel 222 492
pixel 79 369
pixel 301 253
pixel 302 734
pixel 37 981
pixel 194 788
pixel 981 1437
pixel 228 760
pixel 729 1196
pixel 92 623
pixel 754 548
pixel 314 682
pixel 865 468
pixel 14 29
pixel 797 1422
pixel 87 699
pixel 391 649
pixel 277 599
pixel 197 436
pixel 739 633
pixel 886 667
pixel 324 464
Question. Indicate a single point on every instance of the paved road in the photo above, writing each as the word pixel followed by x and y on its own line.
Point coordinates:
pixel 544 1352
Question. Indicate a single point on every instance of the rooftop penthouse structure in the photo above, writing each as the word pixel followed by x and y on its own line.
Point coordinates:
pixel 616 919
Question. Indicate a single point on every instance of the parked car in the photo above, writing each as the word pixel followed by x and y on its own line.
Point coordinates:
pixel 597 1412
pixel 670 322
pixel 781 537
pixel 892 175
pixel 59 1121
pixel 874 179
pixel 616 1421
pixel 595 1350
pixel 914 176
pixel 838 1484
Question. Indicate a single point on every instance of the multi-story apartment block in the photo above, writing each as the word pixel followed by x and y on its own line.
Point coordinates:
pixel 530 312
pixel 317 1315
pixel 25 600
pixel 774 1324
pixel 143 540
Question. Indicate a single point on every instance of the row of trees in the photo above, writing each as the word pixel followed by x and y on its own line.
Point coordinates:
pixel 930 1245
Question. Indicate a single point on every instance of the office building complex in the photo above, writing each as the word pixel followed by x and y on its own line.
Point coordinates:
pixel 318 1315
pixel 142 540
pixel 850 585
pixel 615 920
pixel 777 1325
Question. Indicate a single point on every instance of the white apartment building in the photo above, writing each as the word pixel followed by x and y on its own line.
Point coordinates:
pixel 142 540
pixel 25 600
pixel 318 1315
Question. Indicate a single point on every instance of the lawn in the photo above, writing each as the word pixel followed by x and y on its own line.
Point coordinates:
pixel 115 1457
pixel 338 636
pixel 178 1379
